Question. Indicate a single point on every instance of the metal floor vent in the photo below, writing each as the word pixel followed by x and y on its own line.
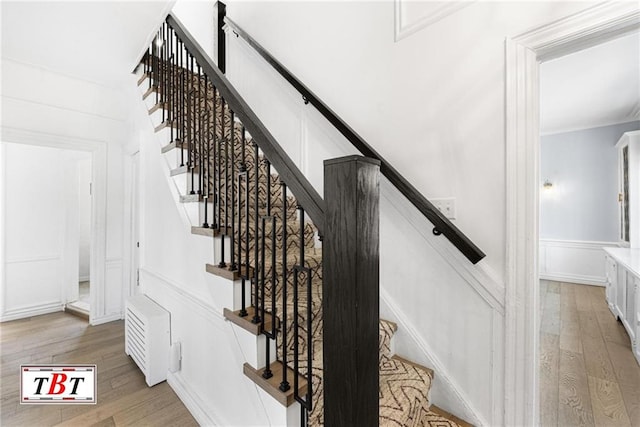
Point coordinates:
pixel 147 337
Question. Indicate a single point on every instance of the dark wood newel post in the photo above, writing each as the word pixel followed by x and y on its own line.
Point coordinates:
pixel 351 291
pixel 222 44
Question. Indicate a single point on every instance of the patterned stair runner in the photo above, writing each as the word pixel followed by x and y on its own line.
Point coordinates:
pixel 404 386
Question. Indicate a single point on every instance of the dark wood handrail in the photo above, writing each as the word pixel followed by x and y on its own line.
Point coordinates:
pixel 304 192
pixel 441 223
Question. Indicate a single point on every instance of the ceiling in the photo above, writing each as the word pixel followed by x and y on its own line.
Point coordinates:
pixel 100 41
pixel 594 87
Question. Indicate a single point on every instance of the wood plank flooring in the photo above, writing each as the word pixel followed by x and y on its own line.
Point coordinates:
pixel 588 375
pixel 123 396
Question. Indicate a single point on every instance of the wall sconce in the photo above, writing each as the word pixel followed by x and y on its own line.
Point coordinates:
pixel 548 185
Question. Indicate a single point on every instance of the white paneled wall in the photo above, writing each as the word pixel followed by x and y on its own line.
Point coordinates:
pixel 573 261
pixel 424 279
pixel 48 109
pixel 41 251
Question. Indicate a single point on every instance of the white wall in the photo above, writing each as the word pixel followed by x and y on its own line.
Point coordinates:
pixel 34 241
pixel 45 106
pixel 582 205
pixel 579 214
pixel 432 103
pixel 199 17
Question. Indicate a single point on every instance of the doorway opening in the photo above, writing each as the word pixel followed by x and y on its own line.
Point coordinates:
pixel 41 219
pixel 79 299
pixel 524 53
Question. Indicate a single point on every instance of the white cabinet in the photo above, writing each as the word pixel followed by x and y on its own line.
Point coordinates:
pixel 629 189
pixel 623 291
pixel 611 279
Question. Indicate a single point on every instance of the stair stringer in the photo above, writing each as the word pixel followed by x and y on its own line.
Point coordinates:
pixel 146 124
pixel 210 378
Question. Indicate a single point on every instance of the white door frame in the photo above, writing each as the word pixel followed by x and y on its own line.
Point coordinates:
pixel 98 150
pixel 523 56
pixel 134 219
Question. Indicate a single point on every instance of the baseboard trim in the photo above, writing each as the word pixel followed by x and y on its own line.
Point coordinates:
pixel 573 261
pixel 37 310
pixel 196 406
pixel 203 308
pixel 569 278
pixel 105 319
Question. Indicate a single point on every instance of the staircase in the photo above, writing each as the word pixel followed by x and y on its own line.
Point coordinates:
pixel 241 193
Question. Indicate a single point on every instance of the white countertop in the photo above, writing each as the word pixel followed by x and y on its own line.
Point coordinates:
pixel 630 258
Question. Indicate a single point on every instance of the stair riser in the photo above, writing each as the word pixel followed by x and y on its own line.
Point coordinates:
pixel 184 184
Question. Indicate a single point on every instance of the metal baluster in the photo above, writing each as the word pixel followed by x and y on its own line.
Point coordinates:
pixel 182 107
pixel 267 373
pixel 244 274
pixel 175 69
pixel 156 58
pixel 200 134
pixel 192 124
pixel 247 237
pixel 243 165
pixel 234 266
pixel 207 142
pixel 284 385
pixel 223 232
pixel 300 268
pixel 256 252
pixel 149 65
pixel 219 163
pixel 167 81
pixel 188 117
pixel 296 326
pixel 163 71
pixel 309 402
pixel 215 192
pixel 171 87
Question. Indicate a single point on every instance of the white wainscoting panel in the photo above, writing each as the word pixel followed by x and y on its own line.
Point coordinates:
pixel 210 378
pixel 573 261
pixel 413 16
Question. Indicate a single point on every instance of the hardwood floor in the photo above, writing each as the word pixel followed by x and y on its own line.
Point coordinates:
pixel 588 375
pixel 123 396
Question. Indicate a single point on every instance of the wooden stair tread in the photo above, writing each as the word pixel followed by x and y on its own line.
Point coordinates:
pixel 415 365
pixel 165 124
pixel 450 416
pixel 271 385
pixel 246 323
pixel 190 198
pixel 170 146
pixel 226 273
pixel 180 170
pixel 201 231
pixel 142 78
pixel 158 106
pixel 149 91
